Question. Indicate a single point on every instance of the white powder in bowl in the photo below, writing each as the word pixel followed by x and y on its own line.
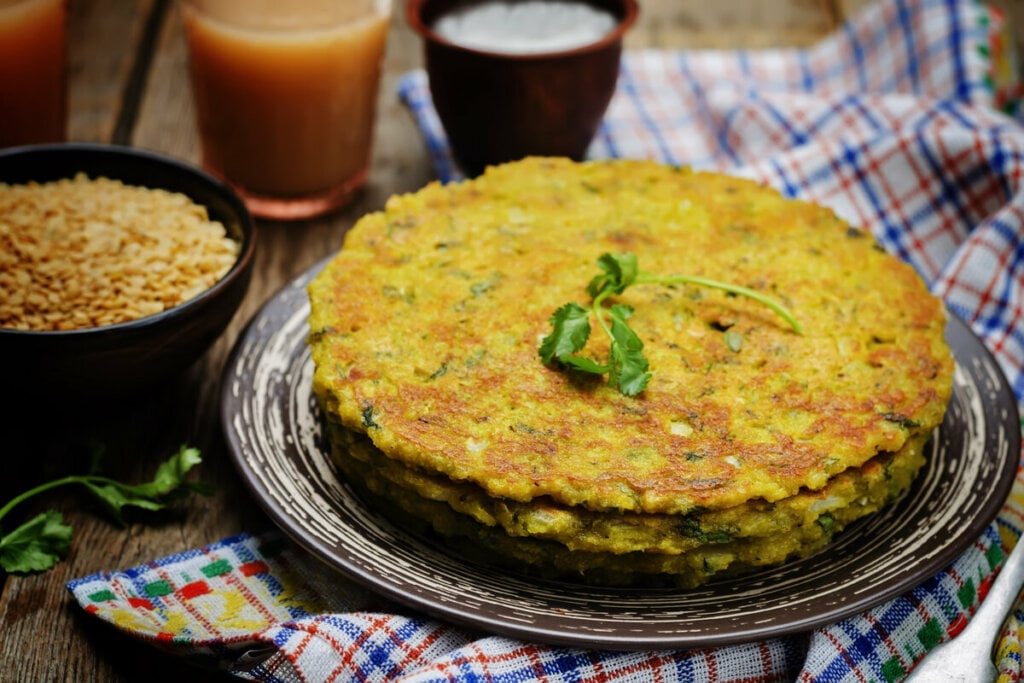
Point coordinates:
pixel 531 27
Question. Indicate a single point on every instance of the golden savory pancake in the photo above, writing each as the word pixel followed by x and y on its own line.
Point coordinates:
pixel 847 496
pixel 620 549
pixel 425 330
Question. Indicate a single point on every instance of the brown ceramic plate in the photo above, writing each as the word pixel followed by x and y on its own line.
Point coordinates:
pixel 273 428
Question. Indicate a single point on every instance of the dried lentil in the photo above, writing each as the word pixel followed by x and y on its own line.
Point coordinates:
pixel 81 252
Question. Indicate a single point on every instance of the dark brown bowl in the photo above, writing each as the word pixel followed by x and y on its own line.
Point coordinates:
pixel 121 360
pixel 498 107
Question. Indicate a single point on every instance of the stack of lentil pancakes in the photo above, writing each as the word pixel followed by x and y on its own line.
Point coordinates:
pixel 752 443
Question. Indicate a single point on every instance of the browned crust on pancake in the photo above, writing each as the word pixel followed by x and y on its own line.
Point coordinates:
pixel 425 327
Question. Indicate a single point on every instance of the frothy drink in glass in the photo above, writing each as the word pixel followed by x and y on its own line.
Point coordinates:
pixel 285 96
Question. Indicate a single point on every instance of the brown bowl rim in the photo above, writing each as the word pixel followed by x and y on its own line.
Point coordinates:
pixel 246 252
pixel 412 14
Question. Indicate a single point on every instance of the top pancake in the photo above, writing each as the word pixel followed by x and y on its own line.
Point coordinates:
pixel 425 327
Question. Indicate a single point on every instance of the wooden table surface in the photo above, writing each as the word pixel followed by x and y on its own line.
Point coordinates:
pixel 128 85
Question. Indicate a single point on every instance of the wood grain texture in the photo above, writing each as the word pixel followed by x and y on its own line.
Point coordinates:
pixel 766 23
pixel 45 636
pixel 103 40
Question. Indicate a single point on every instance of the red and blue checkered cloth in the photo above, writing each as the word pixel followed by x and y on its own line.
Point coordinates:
pixel 903 122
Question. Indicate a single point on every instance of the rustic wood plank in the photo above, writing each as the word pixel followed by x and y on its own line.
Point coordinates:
pixel 102 40
pixel 166 116
pixel 732 23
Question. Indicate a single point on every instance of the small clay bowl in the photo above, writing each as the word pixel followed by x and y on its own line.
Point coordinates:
pixel 497 107
pixel 121 360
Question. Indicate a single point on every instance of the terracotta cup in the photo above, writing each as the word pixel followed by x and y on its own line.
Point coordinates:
pixel 497 107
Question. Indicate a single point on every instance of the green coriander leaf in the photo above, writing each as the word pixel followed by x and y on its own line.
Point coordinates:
pixel 171 473
pixel 584 364
pixel 620 271
pixel 169 477
pixel 629 367
pixel 621 313
pixel 40 543
pixel 115 498
pixel 36 545
pixel 570 331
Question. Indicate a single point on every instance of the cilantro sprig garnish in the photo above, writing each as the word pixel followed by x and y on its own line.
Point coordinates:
pixel 627 367
pixel 43 541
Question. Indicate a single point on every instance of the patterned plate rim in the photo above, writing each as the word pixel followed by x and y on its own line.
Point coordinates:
pixel 272 428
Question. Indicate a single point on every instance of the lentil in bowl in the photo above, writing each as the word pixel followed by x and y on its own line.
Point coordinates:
pixel 120 267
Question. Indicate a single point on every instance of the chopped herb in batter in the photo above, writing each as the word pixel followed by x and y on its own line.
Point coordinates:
pixel 627 367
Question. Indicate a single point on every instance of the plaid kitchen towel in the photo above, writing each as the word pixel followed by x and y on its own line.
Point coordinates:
pixel 903 122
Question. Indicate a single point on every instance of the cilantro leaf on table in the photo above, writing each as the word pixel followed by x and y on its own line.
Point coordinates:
pixel 41 542
pixel 36 545
pixel 628 369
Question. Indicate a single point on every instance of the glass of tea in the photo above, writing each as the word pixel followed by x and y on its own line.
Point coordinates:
pixel 285 96
pixel 33 88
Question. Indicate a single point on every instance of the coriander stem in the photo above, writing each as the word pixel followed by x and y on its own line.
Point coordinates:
pixel 74 479
pixel 782 311
pixel 31 492
pixel 599 311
